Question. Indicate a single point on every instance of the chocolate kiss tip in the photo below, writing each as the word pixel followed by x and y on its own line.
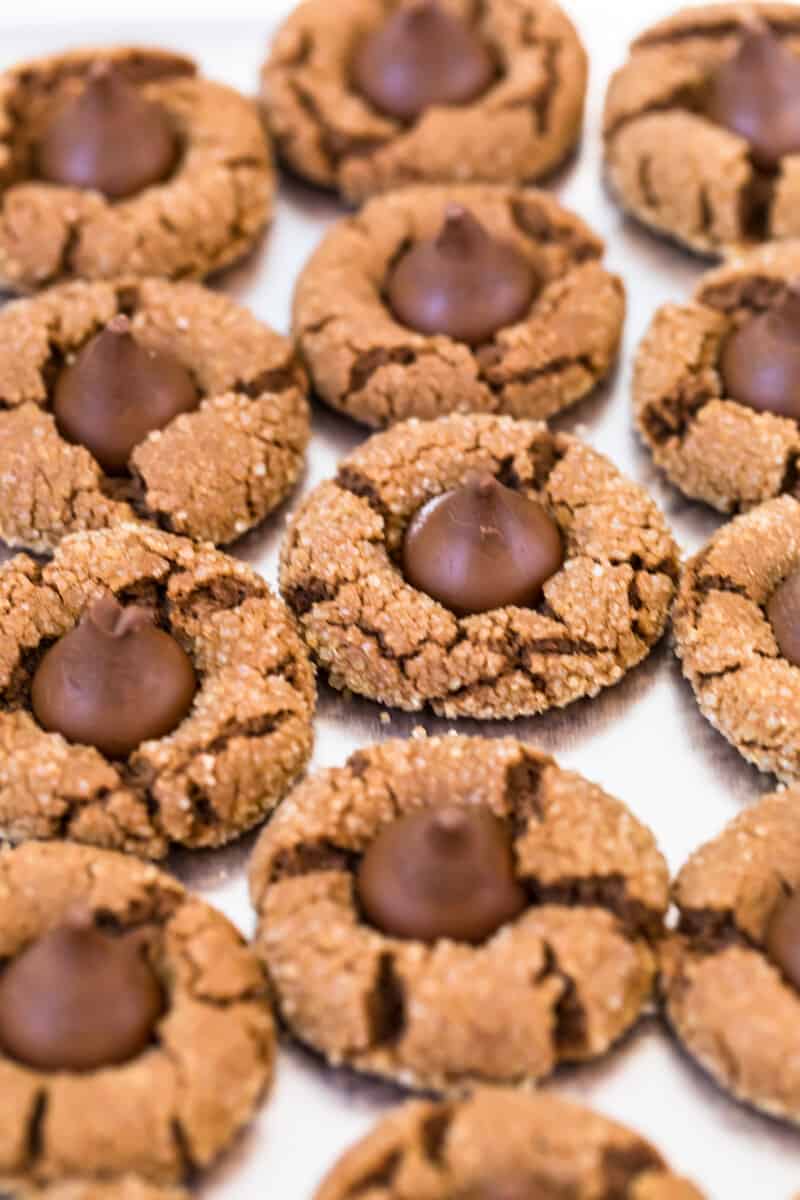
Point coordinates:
pixel 449 823
pixel 460 231
pixel 754 25
pixel 114 620
pixel 119 324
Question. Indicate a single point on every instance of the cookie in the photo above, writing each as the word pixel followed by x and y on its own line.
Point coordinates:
pixel 367 362
pixel 211 467
pixel 693 122
pixel 714 397
pixel 124 161
pixel 501 1143
pixel 731 637
pixel 244 741
pixel 91 925
pixel 726 982
pixel 345 570
pixel 553 894
pixel 522 119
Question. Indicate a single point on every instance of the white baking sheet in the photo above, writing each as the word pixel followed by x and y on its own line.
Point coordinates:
pixel 644 741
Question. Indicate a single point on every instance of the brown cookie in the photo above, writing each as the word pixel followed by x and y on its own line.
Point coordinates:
pixel 206 213
pixel 671 161
pixel 561 981
pixel 711 445
pixel 244 742
pixel 211 473
pixel 365 362
pixel 178 1103
pixel 726 996
pixel 744 685
pixel 517 129
pixel 496 1144
pixel 380 637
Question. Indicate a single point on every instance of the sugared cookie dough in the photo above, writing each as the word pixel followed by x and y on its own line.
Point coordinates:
pixel 211 464
pixel 244 741
pixel 503 1145
pixel 717 382
pixel 736 622
pixel 366 360
pixel 455 121
pixel 127 1188
pixel 730 991
pixel 193 202
pixel 349 553
pixel 558 973
pixel 166 1108
pixel 701 131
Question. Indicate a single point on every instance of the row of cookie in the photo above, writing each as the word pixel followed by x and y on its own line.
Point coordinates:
pixel 701 131
pixel 124 160
pixel 373 934
pixel 401 596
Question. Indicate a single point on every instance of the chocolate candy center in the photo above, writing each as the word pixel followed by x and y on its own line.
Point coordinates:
pixel 760 362
pixel 757 95
pixel 79 1000
pixel 423 55
pixel 442 872
pixel 114 681
pixel 783 938
pixel 108 139
pixel 783 611
pixel 463 283
pixel 116 392
pixel 481 547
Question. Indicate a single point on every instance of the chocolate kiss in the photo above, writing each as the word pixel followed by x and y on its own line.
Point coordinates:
pixel 115 393
pixel 756 94
pixel 463 283
pixel 760 362
pixel 509 1187
pixel 783 611
pixel 423 55
pixel 114 681
pixel 783 938
pixel 78 1000
pixel 109 139
pixel 442 872
pixel 482 546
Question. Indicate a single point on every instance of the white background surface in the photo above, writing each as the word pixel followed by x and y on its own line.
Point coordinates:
pixel 644 741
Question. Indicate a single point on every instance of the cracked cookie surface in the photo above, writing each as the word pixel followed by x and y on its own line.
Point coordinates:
pixel 671 166
pixel 442 1150
pixel 379 637
pixel 709 445
pixel 206 215
pixel 211 474
pixel 126 1188
pixel 744 686
pixel 729 1004
pixel 244 743
pixel 176 1105
pixel 521 128
pixel 561 982
pixel 366 364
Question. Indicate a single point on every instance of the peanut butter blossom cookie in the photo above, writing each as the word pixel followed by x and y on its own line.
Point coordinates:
pixel 483 566
pixel 702 126
pixel 717 382
pixel 457 909
pixel 503 1145
pixel 124 160
pixel 135 1034
pixel 152 693
pixel 737 627
pixel 731 974
pixel 460 299
pixel 161 401
pixel 364 96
